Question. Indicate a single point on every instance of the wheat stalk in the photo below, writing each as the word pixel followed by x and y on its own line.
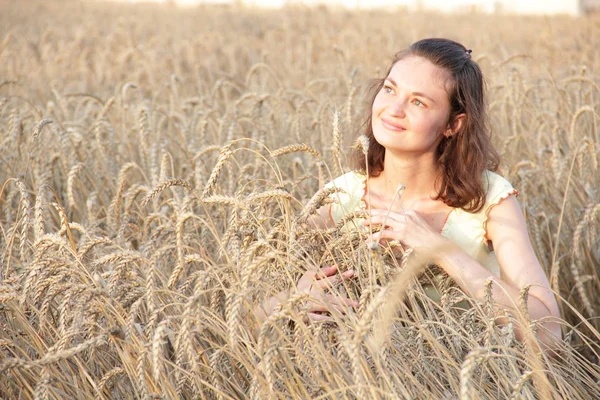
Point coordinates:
pixel 224 155
pixel 157 343
pixel 296 148
pixel 72 204
pixel 105 379
pixel 161 187
pixel 472 360
pixel 40 127
pixel 337 143
pixel 518 387
pixel 181 263
pixel 11 363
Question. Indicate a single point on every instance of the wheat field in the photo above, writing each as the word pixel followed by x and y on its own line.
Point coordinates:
pixel 157 165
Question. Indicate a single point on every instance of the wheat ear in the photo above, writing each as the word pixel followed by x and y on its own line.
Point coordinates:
pixel 472 360
pixel 158 189
pixel 224 155
pixel 295 148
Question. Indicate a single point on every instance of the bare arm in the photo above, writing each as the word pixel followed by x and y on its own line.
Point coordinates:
pixel 518 264
pixel 315 283
pixel 322 219
pixel 519 267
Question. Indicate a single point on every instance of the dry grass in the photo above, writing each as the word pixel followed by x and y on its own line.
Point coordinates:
pixel 155 166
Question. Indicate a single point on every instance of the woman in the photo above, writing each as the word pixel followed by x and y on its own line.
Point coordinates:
pixel 428 134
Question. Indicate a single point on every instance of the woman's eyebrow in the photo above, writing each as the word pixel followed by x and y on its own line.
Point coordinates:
pixel 418 94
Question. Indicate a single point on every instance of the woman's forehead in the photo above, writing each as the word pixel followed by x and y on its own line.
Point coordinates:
pixel 418 74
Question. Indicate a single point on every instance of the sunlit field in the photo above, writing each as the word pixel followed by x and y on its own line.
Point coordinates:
pixel 157 165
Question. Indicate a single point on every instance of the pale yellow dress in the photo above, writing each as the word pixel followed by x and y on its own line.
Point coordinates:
pixel 467 230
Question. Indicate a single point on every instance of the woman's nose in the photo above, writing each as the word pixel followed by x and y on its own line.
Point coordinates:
pixel 397 107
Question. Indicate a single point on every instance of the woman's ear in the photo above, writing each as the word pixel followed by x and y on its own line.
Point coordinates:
pixel 455 125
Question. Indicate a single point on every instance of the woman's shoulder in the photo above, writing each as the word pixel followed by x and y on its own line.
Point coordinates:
pixel 350 199
pixel 470 229
pixel 498 188
pixel 349 181
pixel 493 177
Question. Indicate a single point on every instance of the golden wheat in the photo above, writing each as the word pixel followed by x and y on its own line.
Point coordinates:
pixel 115 283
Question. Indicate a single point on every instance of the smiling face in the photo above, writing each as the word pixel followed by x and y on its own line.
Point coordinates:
pixel 411 111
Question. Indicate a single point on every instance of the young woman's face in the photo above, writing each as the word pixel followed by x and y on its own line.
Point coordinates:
pixel 410 112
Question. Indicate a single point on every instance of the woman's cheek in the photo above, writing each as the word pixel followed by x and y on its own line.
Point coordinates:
pixel 377 105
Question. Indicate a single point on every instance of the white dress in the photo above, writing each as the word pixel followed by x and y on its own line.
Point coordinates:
pixel 466 229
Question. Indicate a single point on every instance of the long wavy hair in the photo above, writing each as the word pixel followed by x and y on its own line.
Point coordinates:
pixel 464 156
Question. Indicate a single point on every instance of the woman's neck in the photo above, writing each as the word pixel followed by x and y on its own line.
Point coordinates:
pixel 417 174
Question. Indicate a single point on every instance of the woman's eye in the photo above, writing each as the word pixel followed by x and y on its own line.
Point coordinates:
pixel 387 89
pixel 418 103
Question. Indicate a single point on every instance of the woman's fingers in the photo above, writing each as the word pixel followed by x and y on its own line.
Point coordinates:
pixel 338 300
pixel 391 221
pixel 385 234
pixel 318 317
pixel 348 274
pixel 327 281
pixel 326 271
pixel 332 302
pixel 316 307
pixel 321 304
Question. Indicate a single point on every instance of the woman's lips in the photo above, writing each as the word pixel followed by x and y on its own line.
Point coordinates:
pixel 391 126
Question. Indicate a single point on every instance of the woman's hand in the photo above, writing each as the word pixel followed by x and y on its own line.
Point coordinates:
pixel 408 228
pixel 316 283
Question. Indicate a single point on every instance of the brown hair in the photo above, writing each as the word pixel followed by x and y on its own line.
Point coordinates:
pixel 468 153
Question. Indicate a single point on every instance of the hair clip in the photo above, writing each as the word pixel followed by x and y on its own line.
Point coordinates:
pixel 469 51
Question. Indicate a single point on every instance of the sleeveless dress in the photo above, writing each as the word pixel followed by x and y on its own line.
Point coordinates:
pixel 467 230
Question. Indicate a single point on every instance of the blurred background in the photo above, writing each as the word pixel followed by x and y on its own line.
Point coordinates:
pixel 571 7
